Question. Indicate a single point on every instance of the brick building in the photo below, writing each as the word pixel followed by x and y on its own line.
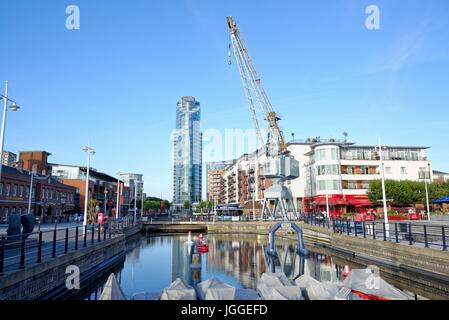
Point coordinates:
pixel 49 197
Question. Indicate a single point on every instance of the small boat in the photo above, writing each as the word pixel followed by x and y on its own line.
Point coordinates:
pixel 112 290
pixel 215 289
pixel 179 290
pixel 276 286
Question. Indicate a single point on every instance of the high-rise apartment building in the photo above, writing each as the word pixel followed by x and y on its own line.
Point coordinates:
pixel 187 153
pixel 8 158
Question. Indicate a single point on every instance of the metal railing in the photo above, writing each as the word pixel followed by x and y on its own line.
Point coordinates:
pixel 28 249
pixel 405 232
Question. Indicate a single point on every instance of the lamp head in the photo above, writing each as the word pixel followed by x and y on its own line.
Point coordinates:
pixel 14 107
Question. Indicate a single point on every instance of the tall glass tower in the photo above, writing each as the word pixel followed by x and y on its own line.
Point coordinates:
pixel 187 151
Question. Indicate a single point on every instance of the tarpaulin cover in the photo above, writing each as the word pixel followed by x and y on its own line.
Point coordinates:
pixel 283 293
pixel 178 290
pixel 112 290
pixel 366 282
pixel 215 289
pixel 270 280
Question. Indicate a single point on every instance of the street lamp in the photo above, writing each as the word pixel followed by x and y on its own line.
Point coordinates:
pixel 13 107
pixel 384 196
pixel 90 151
pixel 427 191
pixel 117 207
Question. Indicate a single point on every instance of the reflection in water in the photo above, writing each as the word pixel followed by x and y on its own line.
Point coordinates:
pixel 153 263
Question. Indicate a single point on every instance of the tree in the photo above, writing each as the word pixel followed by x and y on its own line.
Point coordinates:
pixel 187 204
pixel 92 210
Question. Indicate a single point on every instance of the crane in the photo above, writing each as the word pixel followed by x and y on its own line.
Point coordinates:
pixel 278 164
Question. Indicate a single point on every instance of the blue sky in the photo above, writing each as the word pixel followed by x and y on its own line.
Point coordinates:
pixel 116 81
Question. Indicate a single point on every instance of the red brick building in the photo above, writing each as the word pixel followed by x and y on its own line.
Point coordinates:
pixel 49 197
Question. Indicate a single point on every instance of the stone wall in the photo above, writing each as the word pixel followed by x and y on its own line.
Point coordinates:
pixel 37 280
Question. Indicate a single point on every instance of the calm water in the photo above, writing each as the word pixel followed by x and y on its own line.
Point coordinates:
pixel 152 263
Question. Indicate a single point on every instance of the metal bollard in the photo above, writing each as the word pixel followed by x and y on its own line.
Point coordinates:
pixel 66 241
pixel 364 229
pixel 93 234
pixel 99 233
pixel 76 238
pixel 355 229
pixel 396 232
pixel 426 242
pixel 39 248
pixel 348 225
pixel 104 232
pixel 410 239
pixel 374 230
pixel 385 231
pixel 444 238
pixel 54 243
pixel 22 253
pixel 85 236
pixel 2 255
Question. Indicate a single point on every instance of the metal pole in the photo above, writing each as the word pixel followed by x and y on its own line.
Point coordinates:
pixel 427 194
pixel 141 210
pixel 86 197
pixel 135 201
pixel 117 207
pixel 2 134
pixel 327 204
pixel 105 200
pixel 384 196
pixel 31 192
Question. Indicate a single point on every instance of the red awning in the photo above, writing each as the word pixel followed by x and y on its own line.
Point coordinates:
pixel 359 202
pixel 332 202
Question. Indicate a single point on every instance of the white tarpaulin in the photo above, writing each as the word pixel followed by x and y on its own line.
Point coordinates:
pixel 112 290
pixel 283 293
pixel 268 281
pixel 215 289
pixel 178 290
pixel 365 281
pixel 304 281
pixel 322 291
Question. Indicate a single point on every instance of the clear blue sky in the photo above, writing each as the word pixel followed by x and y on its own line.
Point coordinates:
pixel 117 79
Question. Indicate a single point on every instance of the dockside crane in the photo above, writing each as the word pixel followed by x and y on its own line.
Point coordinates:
pixel 278 164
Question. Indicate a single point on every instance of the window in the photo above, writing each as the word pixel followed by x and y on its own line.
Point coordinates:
pixel 8 189
pixel 21 191
pixel 403 170
pixel 1 189
pixel 27 192
pixel 14 190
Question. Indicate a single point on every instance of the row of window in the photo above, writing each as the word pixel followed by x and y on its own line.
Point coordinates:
pixel 50 194
pixel 14 190
pixel 325 185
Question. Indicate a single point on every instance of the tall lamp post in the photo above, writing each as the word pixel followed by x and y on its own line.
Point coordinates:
pixel 384 196
pixel 13 107
pixel 427 191
pixel 90 151
pixel 117 207
pixel 142 205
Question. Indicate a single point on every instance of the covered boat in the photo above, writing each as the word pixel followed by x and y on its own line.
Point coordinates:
pixel 215 289
pixel 112 290
pixel 179 290
pixel 316 290
pixel 369 286
pixel 276 286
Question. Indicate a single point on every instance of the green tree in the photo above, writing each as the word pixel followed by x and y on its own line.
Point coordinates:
pixel 187 204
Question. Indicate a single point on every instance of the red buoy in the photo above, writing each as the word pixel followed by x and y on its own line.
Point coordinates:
pixel 346 271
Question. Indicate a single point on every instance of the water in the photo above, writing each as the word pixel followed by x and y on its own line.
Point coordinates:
pixel 152 263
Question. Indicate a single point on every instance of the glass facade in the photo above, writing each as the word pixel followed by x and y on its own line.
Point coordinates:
pixel 187 140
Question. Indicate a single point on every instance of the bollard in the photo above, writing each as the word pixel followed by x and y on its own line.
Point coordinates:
pixel 426 243
pixel 444 238
pixel 410 239
pixel 348 230
pixel 66 241
pixel 333 225
pixel 99 232
pixel 385 231
pixel 2 255
pixel 39 248
pixel 22 253
pixel 374 230
pixel 85 236
pixel 54 243
pixel 76 238
pixel 396 232
pixel 110 230
pixel 355 228
pixel 93 234
pixel 364 229
pixel 104 232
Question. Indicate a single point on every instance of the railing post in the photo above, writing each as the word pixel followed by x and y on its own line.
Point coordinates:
pixel 385 231
pixel 99 233
pixel 66 240
pixel 348 225
pixel 54 243
pixel 374 230
pixel 333 225
pixel 85 236
pixel 76 238
pixel 410 239
pixel 355 228
pixel 364 228
pixel 104 232
pixel 2 255
pixel 22 252
pixel 444 238
pixel 110 229
pixel 396 232
pixel 426 242
pixel 93 234
pixel 39 248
